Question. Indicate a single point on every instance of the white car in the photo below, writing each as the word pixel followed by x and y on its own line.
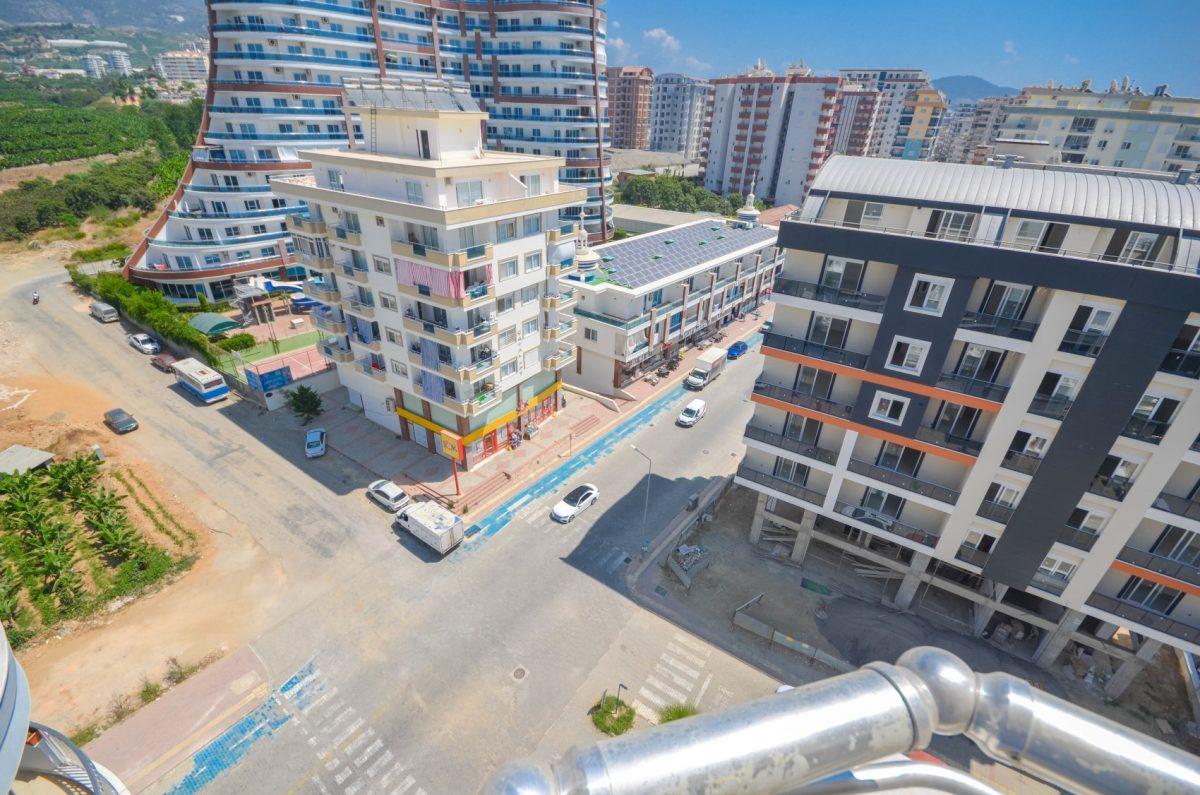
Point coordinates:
pixel 388 494
pixel 144 343
pixel 691 413
pixel 314 443
pixel 574 503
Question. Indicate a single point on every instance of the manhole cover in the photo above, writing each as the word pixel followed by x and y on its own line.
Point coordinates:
pixel 628 561
pixel 704 452
pixel 518 674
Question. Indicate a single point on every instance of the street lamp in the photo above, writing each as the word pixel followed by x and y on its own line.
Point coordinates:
pixel 649 470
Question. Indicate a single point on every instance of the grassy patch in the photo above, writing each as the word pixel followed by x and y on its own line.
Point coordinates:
pixel 177 672
pixel 162 509
pixel 85 734
pixel 612 716
pixel 150 691
pixel 676 712
pixel 115 250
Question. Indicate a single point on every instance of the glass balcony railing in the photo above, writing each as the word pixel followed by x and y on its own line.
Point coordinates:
pixel 829 295
pixel 948 440
pixel 1084 343
pixel 829 353
pixel 1077 537
pixel 1184 570
pixel 996 324
pixel 1180 506
pixel 804 399
pixel 1181 362
pixel 1021 462
pixel 972 555
pixel 1051 583
pixel 1110 486
pixel 903 481
pixel 1054 408
pixel 1147 430
pixel 1145 617
pixel 797 490
pixel 792 445
pixel 987 390
pixel 997 512
pixel 883 521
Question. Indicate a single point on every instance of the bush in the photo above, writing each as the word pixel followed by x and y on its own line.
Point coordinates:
pixel 676 712
pixel 238 342
pixel 612 716
pixel 305 403
pixel 114 250
pixel 150 691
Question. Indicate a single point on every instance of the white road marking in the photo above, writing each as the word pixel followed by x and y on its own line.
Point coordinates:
pixel 388 776
pixel 347 712
pixel 323 698
pixel 653 698
pixel 667 673
pixel 405 785
pixel 370 751
pixel 346 735
pixel 603 564
pixel 676 664
pixel 343 775
pixel 696 645
pixel 618 562
pixel 663 687
pixel 693 659
pixel 358 741
pixel 646 712
pixel 703 687
pixel 354 787
pixel 379 764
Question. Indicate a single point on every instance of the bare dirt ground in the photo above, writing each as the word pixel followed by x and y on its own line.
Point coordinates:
pixel 11 177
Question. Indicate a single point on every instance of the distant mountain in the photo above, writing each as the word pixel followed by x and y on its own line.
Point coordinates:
pixel 958 88
pixel 167 15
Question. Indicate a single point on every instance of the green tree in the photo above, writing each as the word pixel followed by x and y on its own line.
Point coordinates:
pixel 305 403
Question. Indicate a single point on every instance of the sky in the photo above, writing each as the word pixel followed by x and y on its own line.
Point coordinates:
pixel 1010 42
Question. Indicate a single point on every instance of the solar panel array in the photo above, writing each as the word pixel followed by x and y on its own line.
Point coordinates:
pixel 645 259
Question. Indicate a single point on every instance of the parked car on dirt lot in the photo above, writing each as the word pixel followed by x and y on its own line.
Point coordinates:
pixel 388 494
pixel 164 362
pixel 120 421
pixel 144 343
pixel 314 443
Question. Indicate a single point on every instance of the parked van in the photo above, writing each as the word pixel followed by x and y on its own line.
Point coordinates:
pixel 432 525
pixel 103 312
pixel 707 367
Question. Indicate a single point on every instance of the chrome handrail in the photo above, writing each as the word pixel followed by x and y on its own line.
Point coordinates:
pixel 791 739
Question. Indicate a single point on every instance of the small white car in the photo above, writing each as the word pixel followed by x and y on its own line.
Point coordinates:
pixel 574 503
pixel 314 443
pixel 144 343
pixel 388 494
pixel 691 413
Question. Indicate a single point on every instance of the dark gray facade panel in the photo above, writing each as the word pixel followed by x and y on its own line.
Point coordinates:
pixel 1119 377
pixel 917 406
pixel 1148 286
pixel 934 329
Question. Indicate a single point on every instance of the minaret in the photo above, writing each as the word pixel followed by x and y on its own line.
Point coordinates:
pixel 748 214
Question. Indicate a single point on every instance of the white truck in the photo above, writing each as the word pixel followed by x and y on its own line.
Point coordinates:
pixel 432 525
pixel 707 367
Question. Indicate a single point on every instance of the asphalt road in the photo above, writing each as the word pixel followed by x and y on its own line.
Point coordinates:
pixel 394 671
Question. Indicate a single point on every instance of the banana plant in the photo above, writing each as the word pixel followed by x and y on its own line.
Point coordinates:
pixel 100 501
pixel 117 537
pixel 10 595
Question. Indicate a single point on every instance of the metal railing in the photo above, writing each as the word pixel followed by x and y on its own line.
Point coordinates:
pixel 1054 408
pixel 1161 564
pixel 951 442
pixel 1147 618
pixel 996 511
pixel 1110 486
pixel 1078 537
pixel 996 324
pixel 829 295
pixel 788 487
pixel 972 555
pixel 1084 343
pixel 1147 430
pixel 55 756
pixel 1021 462
pixel 886 522
pixel 903 481
pixel 1180 506
pixel 785 741
pixel 988 390
pixel 823 405
pixel 788 443
pixel 829 353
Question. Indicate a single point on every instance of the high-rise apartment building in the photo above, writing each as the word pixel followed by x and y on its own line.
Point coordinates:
pixel 629 106
pixel 983 381
pixel 118 62
pixel 1119 128
pixel 94 66
pixel 770 133
pixel 438 263
pixel 182 65
pixel 275 88
pixel 985 127
pixel 894 87
pixel 858 116
pixel 953 141
pixel 920 122
pixel 679 115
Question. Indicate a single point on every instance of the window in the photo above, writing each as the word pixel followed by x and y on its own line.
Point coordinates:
pixel 413 191
pixel 382 265
pixel 508 268
pixel 1057 569
pixel 529 293
pixel 1029 234
pixel 1138 247
pixel 928 294
pixel 533 261
pixel 508 368
pixel 872 214
pixel 950 225
pixel 530 327
pixel 1002 495
pixel 469 192
pixel 388 301
pixel 533 183
pixel 908 355
pixel 508 336
pixel 399 369
pixel 532 224
pixel 591 335
pixel 506 230
pixel 1150 595
pixel 1085 519
pixel 889 408
pixel 504 302
pixel 393 336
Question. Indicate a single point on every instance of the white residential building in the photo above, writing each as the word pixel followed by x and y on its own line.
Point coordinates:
pixel 983 381
pixel 894 87
pixel 679 108
pixel 94 66
pixel 182 65
pixel 642 300
pixel 537 68
pixel 118 62
pixel 438 262
pixel 1120 128
pixel 953 141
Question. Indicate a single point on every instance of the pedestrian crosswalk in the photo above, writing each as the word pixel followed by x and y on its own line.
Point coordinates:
pixel 678 676
pixel 599 555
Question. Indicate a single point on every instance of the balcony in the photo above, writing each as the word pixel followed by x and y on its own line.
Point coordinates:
pixel 562 233
pixel 330 321
pixel 306 224
pixel 555 269
pixel 1050 583
pixel 1151 431
pixel 559 360
pixel 987 390
pixel 1141 616
pixel 554 333
pixel 370 343
pixel 1084 343
pixel 460 258
pixel 336 352
pixel 366 367
pixel 352 237
pixel 804 399
pixel 1183 571
pixel 325 292
pixel 997 512
pixel 828 353
pixel 903 481
pixel 1180 506
pixel 1054 408
pixel 557 303
pixel 791 445
pixel 314 263
pixel 949 441
pixel 360 307
pixel 1077 537
pixel 781 485
pixel 829 295
pixel 1024 463
pixel 1110 486
pixel 1181 362
pixel 972 555
pixel 882 521
pixel 359 275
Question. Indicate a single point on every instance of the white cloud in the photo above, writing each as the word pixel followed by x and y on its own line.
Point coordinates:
pixel 663 40
pixel 1071 59
pixel 614 24
pixel 696 65
pixel 1011 53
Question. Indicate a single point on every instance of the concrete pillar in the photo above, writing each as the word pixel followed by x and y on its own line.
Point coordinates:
pixel 804 536
pixel 984 612
pixel 1053 643
pixel 908 586
pixel 1131 668
pixel 756 524
pixel 1106 630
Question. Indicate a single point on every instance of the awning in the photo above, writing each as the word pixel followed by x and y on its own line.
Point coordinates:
pixel 210 323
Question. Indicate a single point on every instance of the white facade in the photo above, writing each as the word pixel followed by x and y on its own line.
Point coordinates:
pixel 893 85
pixel 1119 128
pixel 94 66
pixel 678 114
pixel 912 443
pixel 118 62
pixel 276 89
pixel 184 65
pixel 438 262
pixel 953 142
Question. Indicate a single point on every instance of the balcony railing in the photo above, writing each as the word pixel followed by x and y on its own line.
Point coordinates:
pixel 1147 430
pixel 1051 583
pixel 949 441
pixel 1180 506
pixel 829 295
pixel 801 347
pixel 1077 537
pixel 797 490
pixel 1145 617
pixel 1110 486
pixel 823 405
pixel 987 390
pixel 792 445
pixel 1084 343
pixel 997 512
pixel 1054 408
pixel 878 519
pixel 1181 362
pixel 1021 462
pixel 972 555
pixel 1160 564
pixel 903 481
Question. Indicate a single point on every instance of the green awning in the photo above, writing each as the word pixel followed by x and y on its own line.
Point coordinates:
pixel 210 323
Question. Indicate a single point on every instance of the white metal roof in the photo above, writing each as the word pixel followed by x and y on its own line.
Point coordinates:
pixel 1104 196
